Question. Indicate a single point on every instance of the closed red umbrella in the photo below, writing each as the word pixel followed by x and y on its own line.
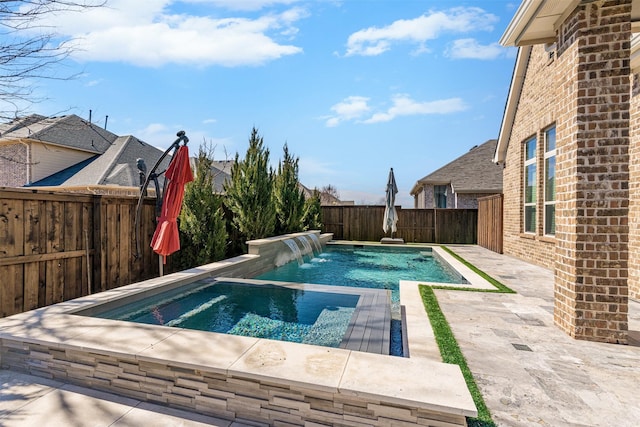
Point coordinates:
pixel 166 239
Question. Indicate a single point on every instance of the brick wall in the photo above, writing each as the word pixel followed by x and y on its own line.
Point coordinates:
pixel 592 172
pixel 13 165
pixel 532 118
pixel 470 200
pixel 634 190
pixel 584 90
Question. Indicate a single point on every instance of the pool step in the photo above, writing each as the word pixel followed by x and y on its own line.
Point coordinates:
pixel 326 330
pixel 370 327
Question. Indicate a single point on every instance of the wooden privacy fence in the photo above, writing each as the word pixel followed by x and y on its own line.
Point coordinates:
pixel 58 246
pixel 490 222
pixel 358 222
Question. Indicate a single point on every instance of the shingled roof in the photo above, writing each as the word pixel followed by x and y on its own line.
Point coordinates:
pixel 117 165
pixel 473 172
pixel 66 131
pixel 114 157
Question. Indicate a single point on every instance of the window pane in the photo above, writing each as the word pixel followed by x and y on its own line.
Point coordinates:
pixel 550 139
pixel 530 184
pixel 530 219
pixel 550 219
pixel 440 193
pixel 531 149
pixel 550 179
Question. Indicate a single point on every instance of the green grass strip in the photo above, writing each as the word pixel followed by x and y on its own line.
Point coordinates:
pixel 451 353
pixel 449 349
pixel 499 286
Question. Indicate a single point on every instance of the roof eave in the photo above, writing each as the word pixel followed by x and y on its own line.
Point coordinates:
pixel 512 104
pixel 535 22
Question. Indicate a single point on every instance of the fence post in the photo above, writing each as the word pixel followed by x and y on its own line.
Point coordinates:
pixel 98 245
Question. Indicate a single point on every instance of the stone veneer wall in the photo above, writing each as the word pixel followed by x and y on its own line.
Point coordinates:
pixel 634 191
pixel 227 395
pixel 533 116
pixel 592 172
pixel 13 165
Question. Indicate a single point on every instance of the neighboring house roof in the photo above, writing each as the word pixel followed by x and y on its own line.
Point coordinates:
pixel 19 122
pixel 115 159
pixel 221 170
pixel 473 172
pixel 68 131
pixel 117 165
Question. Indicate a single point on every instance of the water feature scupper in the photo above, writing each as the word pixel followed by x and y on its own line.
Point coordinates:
pixel 306 245
pixel 295 249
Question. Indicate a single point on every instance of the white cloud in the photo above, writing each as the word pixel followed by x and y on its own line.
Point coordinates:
pixel 471 49
pixel 92 83
pixel 375 41
pixel 354 108
pixel 209 121
pixel 154 33
pixel 403 105
pixel 351 108
pixel 244 4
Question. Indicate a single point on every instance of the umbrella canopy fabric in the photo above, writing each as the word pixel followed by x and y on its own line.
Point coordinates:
pixel 166 239
pixel 390 214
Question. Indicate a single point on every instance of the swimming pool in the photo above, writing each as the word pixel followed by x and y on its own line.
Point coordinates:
pixel 367 266
pixel 282 304
pixel 303 314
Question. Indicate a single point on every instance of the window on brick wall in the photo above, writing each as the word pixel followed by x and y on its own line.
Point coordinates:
pixel 440 196
pixel 550 181
pixel 530 188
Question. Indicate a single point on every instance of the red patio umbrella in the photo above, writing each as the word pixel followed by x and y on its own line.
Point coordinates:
pixel 166 239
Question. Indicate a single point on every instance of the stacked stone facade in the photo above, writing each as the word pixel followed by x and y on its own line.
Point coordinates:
pixel 583 89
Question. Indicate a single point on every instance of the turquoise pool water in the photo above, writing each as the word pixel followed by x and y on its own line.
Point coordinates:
pixel 378 267
pixel 262 311
pixel 296 313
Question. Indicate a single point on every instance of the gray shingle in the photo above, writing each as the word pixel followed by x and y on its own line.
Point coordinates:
pixel 473 172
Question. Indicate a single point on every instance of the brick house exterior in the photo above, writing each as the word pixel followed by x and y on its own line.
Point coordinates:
pixel 459 183
pixel 568 135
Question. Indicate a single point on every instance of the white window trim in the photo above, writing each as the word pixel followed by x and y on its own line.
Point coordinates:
pixel 528 162
pixel 545 203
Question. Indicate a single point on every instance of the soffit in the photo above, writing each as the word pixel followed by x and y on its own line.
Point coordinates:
pixel 535 22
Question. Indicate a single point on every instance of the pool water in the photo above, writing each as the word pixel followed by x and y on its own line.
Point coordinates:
pixel 365 266
pixel 262 311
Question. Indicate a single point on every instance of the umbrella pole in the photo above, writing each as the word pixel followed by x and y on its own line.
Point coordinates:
pixel 160 266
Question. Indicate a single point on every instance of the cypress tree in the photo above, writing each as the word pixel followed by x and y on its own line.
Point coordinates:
pixel 288 196
pixel 312 216
pixel 202 223
pixel 249 193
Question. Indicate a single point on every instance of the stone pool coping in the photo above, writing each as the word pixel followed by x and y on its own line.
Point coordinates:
pixel 231 376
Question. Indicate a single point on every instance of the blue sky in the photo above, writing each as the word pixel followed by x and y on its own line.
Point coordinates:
pixel 352 87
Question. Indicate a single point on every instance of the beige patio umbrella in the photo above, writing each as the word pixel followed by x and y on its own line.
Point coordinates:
pixel 390 214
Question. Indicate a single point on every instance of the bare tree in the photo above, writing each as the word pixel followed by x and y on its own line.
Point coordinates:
pixel 28 48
